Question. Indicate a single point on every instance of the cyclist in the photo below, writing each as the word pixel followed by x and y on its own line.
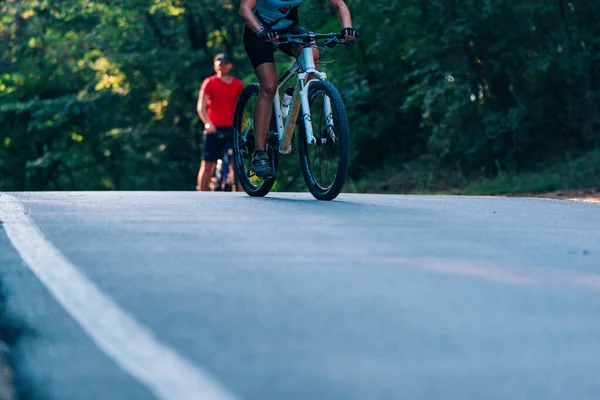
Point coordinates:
pixel 216 106
pixel 264 21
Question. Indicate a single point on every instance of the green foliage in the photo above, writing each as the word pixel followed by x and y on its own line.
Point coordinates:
pixel 583 172
pixel 97 95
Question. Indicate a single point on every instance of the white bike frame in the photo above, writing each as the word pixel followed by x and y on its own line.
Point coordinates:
pixel 305 64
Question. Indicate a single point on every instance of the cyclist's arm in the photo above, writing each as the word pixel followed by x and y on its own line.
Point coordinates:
pixel 246 7
pixel 202 107
pixel 343 12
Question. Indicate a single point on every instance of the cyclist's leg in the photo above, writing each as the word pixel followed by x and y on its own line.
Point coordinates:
pixel 260 53
pixel 209 161
pixel 267 78
pixel 261 56
pixel 207 169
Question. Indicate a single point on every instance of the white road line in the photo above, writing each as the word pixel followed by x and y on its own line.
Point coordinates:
pixel 130 344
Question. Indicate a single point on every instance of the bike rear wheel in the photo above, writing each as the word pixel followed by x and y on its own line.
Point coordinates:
pixel 243 145
pixel 325 164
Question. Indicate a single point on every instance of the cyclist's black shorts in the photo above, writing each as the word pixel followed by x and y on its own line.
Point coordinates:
pixel 216 143
pixel 260 51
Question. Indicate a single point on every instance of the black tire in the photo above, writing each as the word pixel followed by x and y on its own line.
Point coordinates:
pixel 334 144
pixel 243 147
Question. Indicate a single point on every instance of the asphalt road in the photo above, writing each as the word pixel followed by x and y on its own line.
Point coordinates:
pixel 218 295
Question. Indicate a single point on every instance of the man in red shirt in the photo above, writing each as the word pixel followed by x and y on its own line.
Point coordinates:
pixel 216 106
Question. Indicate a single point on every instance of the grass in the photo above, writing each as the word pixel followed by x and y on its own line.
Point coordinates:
pixel 583 172
pixel 423 178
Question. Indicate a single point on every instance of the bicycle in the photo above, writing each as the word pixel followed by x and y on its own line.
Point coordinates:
pixel 222 181
pixel 330 138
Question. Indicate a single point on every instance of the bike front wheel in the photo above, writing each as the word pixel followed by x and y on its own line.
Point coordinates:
pixel 244 144
pixel 325 163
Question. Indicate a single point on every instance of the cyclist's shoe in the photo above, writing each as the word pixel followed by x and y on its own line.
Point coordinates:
pixel 261 165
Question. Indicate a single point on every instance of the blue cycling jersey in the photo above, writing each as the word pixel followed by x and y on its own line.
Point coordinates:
pixel 276 14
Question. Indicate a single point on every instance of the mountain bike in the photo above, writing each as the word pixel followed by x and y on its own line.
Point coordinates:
pixel 317 110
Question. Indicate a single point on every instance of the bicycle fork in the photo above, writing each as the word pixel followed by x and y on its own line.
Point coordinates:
pixel 301 100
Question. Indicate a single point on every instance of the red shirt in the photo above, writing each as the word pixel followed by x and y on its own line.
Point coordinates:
pixel 222 97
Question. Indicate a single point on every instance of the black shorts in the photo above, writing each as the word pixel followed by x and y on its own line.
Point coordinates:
pixel 260 51
pixel 215 144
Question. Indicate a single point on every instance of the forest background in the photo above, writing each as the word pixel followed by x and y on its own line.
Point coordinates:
pixel 460 96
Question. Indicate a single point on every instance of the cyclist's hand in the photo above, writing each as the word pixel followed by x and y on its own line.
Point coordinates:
pixel 349 33
pixel 210 128
pixel 268 34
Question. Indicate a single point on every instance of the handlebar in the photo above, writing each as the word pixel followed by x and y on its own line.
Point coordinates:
pixel 330 39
